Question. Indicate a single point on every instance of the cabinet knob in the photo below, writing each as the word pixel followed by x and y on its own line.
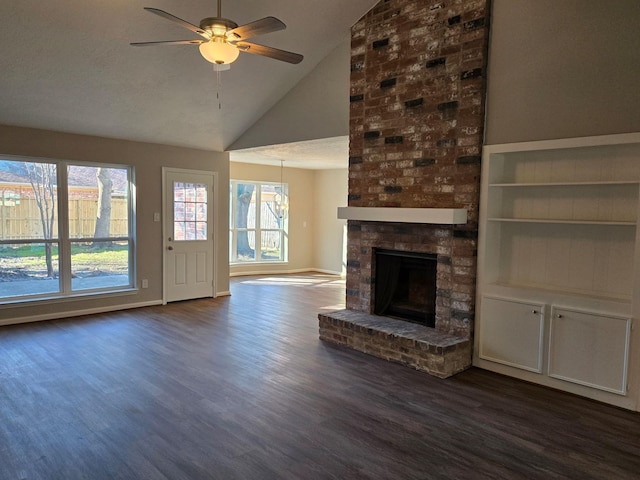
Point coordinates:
pixel 558 316
pixel 534 311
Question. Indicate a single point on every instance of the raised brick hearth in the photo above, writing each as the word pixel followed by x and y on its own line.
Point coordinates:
pixel 416 346
pixel 416 122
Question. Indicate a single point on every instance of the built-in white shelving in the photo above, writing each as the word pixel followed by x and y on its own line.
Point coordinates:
pixel 558 233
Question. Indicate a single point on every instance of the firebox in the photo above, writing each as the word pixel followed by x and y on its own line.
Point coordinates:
pixel 405 286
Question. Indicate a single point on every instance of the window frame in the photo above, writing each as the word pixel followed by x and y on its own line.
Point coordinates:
pixel 257 229
pixel 64 241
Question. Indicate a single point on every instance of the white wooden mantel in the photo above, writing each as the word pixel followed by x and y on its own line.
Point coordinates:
pixel 440 216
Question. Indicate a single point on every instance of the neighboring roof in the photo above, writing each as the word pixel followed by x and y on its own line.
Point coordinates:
pixel 86 177
pixel 80 176
pixel 8 177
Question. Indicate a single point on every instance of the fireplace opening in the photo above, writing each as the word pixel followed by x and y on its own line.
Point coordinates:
pixel 405 286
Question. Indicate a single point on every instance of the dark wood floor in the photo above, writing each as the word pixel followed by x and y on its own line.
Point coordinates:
pixel 241 388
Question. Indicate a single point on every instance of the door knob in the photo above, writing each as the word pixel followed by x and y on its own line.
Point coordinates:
pixel 169 247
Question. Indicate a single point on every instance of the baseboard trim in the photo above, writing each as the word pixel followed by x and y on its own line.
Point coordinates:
pixel 329 272
pixel 283 272
pixel 78 313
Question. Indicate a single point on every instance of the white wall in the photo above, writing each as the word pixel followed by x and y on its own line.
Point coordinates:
pixel 331 191
pixel 560 69
pixel 318 107
pixel 148 160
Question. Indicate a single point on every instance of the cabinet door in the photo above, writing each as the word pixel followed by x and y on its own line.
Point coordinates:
pixel 511 333
pixel 589 349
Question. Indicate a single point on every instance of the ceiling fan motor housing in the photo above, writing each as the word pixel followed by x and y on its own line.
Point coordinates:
pixel 217 26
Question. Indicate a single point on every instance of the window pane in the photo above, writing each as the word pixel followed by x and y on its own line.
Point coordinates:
pixel 98 203
pixel 190 231
pixel 281 204
pixel 201 231
pixel 246 206
pixel 29 269
pixel 246 246
pixel 99 265
pixel 190 192
pixel 189 211
pixel 179 230
pixel 178 192
pixel 28 200
pixel 179 214
pixel 271 245
pixel 268 209
pixel 258 213
pixel 201 193
pixel 201 212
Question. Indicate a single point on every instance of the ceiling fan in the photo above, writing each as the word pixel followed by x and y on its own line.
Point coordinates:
pixel 223 39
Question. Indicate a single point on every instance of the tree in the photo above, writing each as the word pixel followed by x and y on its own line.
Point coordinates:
pixel 42 177
pixel 245 192
pixel 103 218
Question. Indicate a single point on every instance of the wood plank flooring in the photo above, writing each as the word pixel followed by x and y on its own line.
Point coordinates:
pixel 241 388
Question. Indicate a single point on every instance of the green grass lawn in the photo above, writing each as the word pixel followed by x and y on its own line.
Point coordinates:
pixel 112 259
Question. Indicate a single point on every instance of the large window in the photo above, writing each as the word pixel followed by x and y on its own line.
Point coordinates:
pixel 64 229
pixel 258 222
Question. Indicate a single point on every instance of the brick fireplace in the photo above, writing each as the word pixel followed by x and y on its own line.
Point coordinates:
pixel 416 125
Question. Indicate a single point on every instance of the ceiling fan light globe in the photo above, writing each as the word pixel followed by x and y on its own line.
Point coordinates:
pixel 219 52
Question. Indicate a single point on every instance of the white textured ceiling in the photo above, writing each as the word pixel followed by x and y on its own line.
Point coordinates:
pixel 328 153
pixel 67 65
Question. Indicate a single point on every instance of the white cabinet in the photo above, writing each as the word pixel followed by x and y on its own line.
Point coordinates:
pixel 512 333
pixel 589 349
pixel 558 235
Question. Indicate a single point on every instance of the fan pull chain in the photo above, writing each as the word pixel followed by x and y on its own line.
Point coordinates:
pixel 218 83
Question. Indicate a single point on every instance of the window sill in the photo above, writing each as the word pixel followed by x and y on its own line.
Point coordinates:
pixel 73 297
pixel 263 262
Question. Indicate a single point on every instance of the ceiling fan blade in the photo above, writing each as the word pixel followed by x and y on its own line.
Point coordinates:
pixel 168 42
pixel 259 27
pixel 179 21
pixel 270 52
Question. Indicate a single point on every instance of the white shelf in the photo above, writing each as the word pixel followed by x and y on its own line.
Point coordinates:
pixel 547 290
pixel 562 184
pixel 601 203
pixel 567 222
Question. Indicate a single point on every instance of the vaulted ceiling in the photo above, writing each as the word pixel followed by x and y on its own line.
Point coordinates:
pixel 67 66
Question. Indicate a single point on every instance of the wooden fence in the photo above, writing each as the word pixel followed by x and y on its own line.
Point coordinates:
pixel 22 219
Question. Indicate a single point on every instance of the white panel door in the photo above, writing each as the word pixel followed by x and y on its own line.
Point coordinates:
pixel 511 332
pixel 188 254
pixel 589 349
